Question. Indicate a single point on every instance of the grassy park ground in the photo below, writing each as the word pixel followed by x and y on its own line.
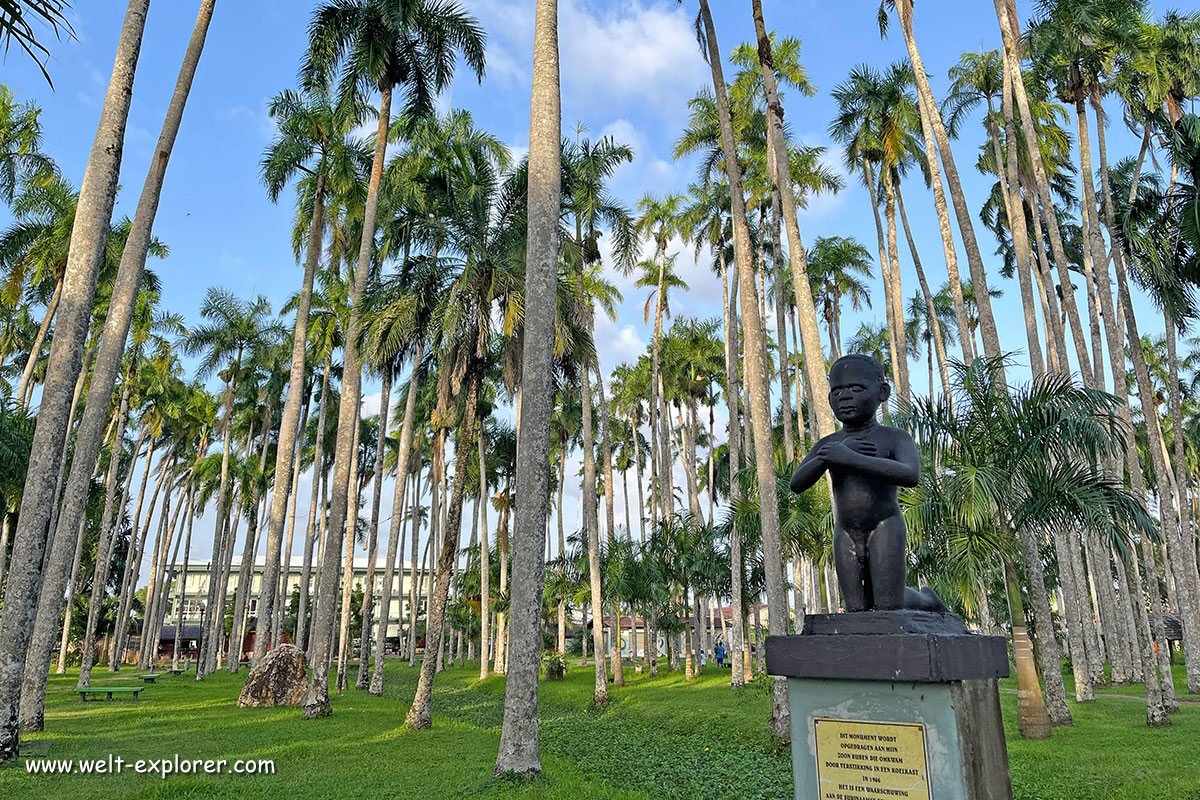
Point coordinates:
pixel 659 738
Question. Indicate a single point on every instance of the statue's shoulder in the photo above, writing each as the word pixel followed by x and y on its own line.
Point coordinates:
pixel 895 434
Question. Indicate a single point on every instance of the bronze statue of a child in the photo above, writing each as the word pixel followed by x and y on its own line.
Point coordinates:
pixel 867 462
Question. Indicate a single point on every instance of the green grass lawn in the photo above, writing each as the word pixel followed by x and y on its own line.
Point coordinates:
pixel 660 738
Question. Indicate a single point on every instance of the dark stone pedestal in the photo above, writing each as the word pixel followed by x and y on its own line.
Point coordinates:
pixel 894 704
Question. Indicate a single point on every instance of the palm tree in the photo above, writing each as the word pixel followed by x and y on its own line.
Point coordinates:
pixel 876 121
pixel 377 45
pixel 518 751
pixel 837 265
pixel 234 330
pixel 979 78
pixel 937 141
pixel 17 21
pixel 37 503
pixel 312 140
pixel 779 165
pixel 757 384
pixel 20 143
pixel 121 306
pixel 661 220
pixel 1044 478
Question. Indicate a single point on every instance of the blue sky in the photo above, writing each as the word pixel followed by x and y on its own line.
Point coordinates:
pixel 628 69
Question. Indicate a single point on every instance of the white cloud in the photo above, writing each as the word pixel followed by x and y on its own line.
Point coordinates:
pixel 256 119
pixel 658 64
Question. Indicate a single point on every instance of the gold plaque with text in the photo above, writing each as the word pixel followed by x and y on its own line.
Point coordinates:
pixel 871 760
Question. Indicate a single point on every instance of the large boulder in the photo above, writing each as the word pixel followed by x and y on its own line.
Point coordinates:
pixel 279 679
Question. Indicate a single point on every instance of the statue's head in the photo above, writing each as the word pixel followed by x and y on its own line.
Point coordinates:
pixel 857 387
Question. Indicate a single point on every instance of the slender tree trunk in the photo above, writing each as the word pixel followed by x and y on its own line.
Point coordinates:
pixel 737 677
pixel 216 592
pixel 288 429
pixel 310 531
pixel 368 603
pixel 402 469
pixel 419 715
pixel 485 600
pixel 316 703
pixel 789 441
pixel 133 557
pixel 1013 66
pixel 418 575
pixel 88 240
pixel 518 751
pixel 347 582
pixel 755 351
pixel 187 551
pixel 935 326
pixel 1014 211
pixel 24 392
pixel 931 123
pixel 282 595
pixel 1033 722
pixel 899 368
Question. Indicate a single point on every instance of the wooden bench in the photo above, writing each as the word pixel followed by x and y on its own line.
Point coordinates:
pixel 149 677
pixel 95 692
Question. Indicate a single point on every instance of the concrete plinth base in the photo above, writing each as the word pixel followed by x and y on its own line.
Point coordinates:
pixel 888 705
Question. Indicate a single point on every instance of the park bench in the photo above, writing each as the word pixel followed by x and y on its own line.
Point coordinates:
pixel 95 692
pixel 149 677
pixel 180 670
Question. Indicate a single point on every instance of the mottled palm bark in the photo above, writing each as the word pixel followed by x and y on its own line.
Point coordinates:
pixel 88 238
pixel 281 601
pixel 484 567
pixel 935 326
pixel 518 751
pixel 210 637
pixel 1033 722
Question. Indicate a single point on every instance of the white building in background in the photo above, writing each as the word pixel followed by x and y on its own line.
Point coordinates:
pixel 193 589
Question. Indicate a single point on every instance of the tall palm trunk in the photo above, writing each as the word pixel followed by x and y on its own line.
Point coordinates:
pixel 210 632
pixel 885 264
pixel 606 454
pixel 368 602
pixel 24 391
pixel 245 586
pixel 485 599
pixel 1010 34
pixel 288 429
pixel 133 558
pixel 758 387
pixel 779 169
pixel 1014 211
pixel 1033 722
pixel 285 572
pixel 347 582
pixel 187 552
pixel 789 443
pixel 416 577
pixel 316 703
pixel 737 677
pixel 518 750
pixel 935 326
pixel 104 541
pixel 310 531
pixel 931 123
pixel 404 453
pixel 591 522
pixel 419 715
pixel 899 368
pixel 88 239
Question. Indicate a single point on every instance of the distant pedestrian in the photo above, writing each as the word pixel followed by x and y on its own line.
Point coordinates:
pixel 720 655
